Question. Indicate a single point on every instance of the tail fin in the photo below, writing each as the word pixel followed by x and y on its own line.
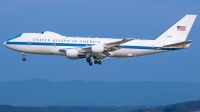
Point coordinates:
pixel 180 30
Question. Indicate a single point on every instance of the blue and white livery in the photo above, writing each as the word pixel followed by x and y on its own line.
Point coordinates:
pixel 50 43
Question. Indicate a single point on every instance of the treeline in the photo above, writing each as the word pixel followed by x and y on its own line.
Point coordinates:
pixel 191 106
pixel 8 108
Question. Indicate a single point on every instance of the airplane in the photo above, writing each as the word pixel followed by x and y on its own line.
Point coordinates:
pixel 50 43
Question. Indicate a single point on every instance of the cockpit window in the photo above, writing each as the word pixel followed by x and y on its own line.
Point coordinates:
pixel 15 36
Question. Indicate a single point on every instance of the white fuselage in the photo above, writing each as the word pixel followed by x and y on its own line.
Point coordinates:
pixel 50 43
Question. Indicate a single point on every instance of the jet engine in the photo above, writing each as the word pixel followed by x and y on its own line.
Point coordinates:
pixel 99 48
pixel 74 54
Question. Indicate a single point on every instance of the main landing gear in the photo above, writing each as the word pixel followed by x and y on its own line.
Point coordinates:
pixel 23 59
pixel 96 61
pixel 89 61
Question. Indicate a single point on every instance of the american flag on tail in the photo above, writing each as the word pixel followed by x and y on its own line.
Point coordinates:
pixel 181 28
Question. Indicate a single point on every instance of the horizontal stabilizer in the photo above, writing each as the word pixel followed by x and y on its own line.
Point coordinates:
pixel 180 44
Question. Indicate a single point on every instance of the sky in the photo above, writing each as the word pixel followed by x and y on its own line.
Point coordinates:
pixel 142 19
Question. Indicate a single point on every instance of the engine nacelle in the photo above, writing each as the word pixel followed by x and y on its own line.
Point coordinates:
pixel 74 54
pixel 98 48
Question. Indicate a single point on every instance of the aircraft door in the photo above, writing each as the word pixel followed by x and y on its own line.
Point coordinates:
pixel 29 44
pixel 153 48
pixel 54 45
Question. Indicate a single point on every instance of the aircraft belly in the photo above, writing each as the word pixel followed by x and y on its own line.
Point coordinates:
pixel 49 50
pixel 31 49
pixel 36 49
pixel 134 52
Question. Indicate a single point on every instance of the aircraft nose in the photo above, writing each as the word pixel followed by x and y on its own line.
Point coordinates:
pixel 4 43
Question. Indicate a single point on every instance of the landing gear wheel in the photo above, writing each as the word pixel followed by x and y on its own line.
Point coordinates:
pixel 95 62
pixel 90 63
pixel 99 62
pixel 23 59
pixel 88 60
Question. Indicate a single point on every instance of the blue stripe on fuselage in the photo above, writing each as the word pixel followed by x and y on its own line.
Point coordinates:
pixel 149 47
pixel 47 44
pixel 83 45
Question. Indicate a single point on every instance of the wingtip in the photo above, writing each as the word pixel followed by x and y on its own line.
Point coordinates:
pixel 193 15
pixel 128 39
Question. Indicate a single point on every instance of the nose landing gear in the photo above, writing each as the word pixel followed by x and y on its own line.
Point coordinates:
pixel 23 59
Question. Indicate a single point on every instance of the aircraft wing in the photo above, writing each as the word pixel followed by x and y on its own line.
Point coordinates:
pixel 109 47
pixel 112 46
